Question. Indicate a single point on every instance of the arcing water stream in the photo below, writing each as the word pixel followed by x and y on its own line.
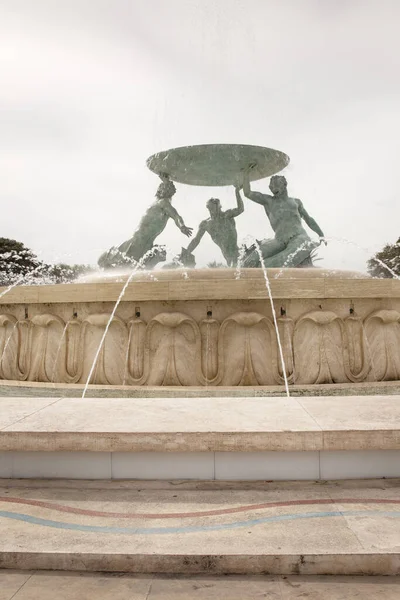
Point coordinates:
pixel 278 337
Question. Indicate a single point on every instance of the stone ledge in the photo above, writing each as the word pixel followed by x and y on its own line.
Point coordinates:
pixel 340 563
pixel 211 284
pixel 306 528
pixel 247 289
pixel 200 424
pixel 39 389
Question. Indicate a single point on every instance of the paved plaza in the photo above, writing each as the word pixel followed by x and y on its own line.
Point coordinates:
pixel 306 528
pixel 45 585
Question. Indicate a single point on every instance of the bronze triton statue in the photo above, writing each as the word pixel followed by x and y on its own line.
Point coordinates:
pixel 151 225
pixel 291 246
pixel 220 165
pixel 222 229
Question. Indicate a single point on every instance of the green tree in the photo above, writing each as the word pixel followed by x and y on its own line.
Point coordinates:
pixel 385 263
pixel 63 273
pixel 216 265
pixel 20 265
pixel 17 262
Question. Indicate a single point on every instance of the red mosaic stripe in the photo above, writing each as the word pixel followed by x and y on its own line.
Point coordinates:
pixel 185 515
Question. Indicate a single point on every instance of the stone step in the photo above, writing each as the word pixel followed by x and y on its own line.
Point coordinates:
pixel 308 528
pixel 201 438
pixel 41 389
pixel 72 585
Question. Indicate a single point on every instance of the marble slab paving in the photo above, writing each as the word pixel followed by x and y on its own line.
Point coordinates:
pixel 361 422
pixel 13 410
pixel 47 585
pixel 163 415
pixel 310 528
pixel 200 424
pixel 365 412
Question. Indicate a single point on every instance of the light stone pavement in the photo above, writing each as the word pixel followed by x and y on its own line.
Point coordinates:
pixel 299 528
pixel 200 424
pixel 56 585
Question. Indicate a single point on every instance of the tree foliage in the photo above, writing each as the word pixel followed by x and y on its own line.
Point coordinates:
pixel 16 262
pixel 20 265
pixel 386 263
pixel 63 273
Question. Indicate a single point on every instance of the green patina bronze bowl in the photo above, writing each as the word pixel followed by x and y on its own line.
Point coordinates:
pixel 217 164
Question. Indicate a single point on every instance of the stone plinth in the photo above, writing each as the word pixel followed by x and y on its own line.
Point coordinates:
pixel 205 328
pixel 200 438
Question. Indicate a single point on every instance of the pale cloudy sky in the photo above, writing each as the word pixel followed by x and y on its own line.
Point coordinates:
pixel 90 88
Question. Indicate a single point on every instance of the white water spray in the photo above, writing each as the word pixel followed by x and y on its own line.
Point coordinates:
pixel 106 331
pixel 241 255
pixel 278 337
pixel 58 352
pixel 138 265
pixel 126 367
pixel 7 343
pixel 291 256
pixel 367 250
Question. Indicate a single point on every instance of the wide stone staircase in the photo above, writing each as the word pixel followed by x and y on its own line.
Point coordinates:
pixel 201 485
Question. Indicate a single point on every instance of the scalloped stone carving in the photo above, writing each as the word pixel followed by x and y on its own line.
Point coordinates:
pixel 175 348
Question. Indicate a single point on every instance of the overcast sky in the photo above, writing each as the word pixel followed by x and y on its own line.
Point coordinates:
pixel 90 88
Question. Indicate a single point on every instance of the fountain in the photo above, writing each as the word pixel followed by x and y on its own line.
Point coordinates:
pixel 269 320
pixel 147 373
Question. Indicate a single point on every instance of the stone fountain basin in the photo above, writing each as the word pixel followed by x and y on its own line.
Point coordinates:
pixel 220 274
pixel 204 327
